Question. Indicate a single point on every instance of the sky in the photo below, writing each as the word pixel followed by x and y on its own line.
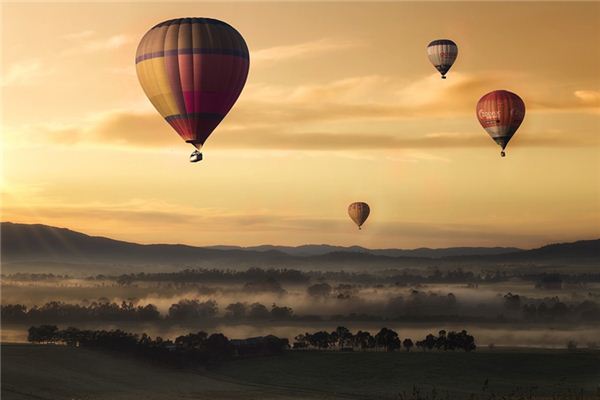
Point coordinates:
pixel 341 105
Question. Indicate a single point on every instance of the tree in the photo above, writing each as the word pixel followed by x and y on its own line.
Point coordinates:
pixel 192 309
pixel 319 290
pixel 258 311
pixel 430 341
pixel 440 341
pixel 408 344
pixel 43 334
pixel 301 341
pixel 512 301
pixel 344 336
pixel 192 340
pixel 364 340
pixel 236 311
pixel 281 313
pixel 387 339
pixel 148 313
pixel 319 339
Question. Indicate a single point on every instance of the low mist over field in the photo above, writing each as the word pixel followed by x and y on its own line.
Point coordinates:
pixel 505 304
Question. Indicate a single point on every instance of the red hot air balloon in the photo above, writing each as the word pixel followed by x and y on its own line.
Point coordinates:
pixel 500 113
pixel 193 70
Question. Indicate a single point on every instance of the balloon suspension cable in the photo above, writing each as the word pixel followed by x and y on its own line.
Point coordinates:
pixel 502 153
pixel 195 156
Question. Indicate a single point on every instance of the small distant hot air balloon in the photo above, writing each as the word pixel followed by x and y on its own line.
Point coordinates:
pixel 359 212
pixel 500 113
pixel 442 53
pixel 193 70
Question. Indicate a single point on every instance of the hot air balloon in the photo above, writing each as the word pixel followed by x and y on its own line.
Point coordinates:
pixel 359 212
pixel 500 113
pixel 442 53
pixel 192 70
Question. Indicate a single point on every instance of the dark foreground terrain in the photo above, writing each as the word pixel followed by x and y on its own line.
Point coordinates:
pixel 60 372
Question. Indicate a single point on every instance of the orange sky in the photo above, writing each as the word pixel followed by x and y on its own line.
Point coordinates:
pixel 341 105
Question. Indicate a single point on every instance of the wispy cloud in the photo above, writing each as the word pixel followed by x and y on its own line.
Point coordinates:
pixel 88 42
pixel 109 43
pixel 591 97
pixel 25 73
pixel 77 36
pixel 295 51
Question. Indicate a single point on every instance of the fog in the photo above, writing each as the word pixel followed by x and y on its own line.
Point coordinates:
pixel 495 313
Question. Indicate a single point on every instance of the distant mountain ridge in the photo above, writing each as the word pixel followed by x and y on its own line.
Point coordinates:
pixel 426 252
pixel 24 243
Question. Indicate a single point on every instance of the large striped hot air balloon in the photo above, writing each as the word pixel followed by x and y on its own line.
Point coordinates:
pixel 359 212
pixel 442 53
pixel 193 70
pixel 500 113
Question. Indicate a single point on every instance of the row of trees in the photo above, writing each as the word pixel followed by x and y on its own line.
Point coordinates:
pixel 184 310
pixel 191 349
pixel 386 339
pixel 551 309
pixel 285 275
pixel 417 306
pixel 57 311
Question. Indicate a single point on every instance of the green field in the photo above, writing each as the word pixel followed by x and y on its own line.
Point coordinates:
pixel 58 372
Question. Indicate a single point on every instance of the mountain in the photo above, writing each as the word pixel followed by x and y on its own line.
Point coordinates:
pixel 423 252
pixel 38 246
pixel 587 251
pixel 42 243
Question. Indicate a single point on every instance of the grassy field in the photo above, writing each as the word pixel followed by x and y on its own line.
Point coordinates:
pixel 58 372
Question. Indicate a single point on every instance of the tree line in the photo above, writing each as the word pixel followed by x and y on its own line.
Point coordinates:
pixel 551 309
pixel 386 340
pixel 184 310
pixel 187 350
pixel 418 306
pixel 398 276
pixel 203 349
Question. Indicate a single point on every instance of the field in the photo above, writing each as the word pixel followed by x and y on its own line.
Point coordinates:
pixel 58 372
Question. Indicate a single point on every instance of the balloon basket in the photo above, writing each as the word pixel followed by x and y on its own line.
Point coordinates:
pixel 195 156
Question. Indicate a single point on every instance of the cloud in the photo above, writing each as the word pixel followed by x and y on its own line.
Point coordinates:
pixel 25 73
pixel 87 42
pixel 109 43
pixel 325 116
pixel 144 130
pixel 300 50
pixel 79 35
pixel 117 127
pixel 591 97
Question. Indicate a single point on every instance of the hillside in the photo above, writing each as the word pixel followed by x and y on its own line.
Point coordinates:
pixel 23 243
pixel 423 252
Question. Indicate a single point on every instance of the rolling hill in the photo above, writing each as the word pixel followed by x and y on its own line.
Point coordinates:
pixel 35 244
